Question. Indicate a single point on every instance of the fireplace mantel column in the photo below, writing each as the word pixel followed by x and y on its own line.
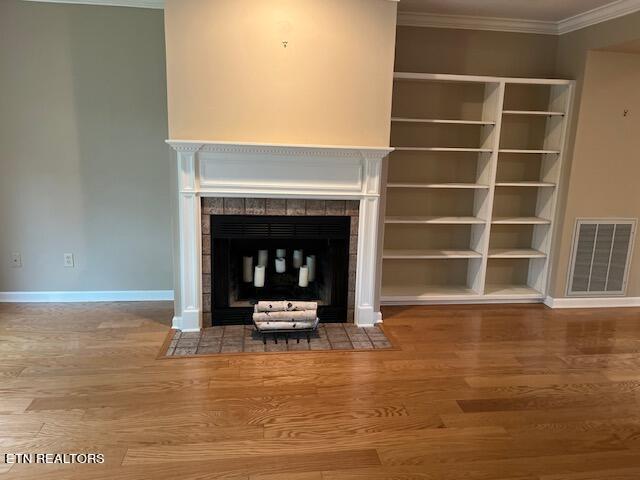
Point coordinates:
pixel 190 317
pixel 365 312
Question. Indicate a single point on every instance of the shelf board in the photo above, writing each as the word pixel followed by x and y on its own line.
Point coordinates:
pixel 437 185
pixel 391 293
pixel 442 149
pixel 441 120
pixel 526 151
pixel 534 113
pixel 435 220
pixel 392 254
pixel 515 253
pixel 525 184
pixel 500 290
pixel 520 221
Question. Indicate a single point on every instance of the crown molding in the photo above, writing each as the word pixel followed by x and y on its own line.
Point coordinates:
pixel 419 19
pixel 607 12
pixel 156 4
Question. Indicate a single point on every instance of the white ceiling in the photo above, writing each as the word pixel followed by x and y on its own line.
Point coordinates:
pixel 540 10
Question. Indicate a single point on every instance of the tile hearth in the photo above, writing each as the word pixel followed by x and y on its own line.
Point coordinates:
pixel 244 339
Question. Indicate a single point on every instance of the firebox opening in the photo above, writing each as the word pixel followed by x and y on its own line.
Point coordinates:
pixel 282 244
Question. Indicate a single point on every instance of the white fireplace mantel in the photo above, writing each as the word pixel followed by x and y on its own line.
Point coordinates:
pixel 258 170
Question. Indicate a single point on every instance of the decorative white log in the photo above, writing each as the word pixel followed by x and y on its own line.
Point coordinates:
pixel 311 265
pixel 297 258
pixel 281 253
pixel 259 276
pixel 263 257
pixel 281 265
pixel 303 279
pixel 285 306
pixel 247 269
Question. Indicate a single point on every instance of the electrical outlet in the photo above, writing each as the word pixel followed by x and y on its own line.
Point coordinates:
pixel 68 260
pixel 16 260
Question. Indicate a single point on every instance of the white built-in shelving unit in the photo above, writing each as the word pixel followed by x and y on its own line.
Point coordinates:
pixel 472 187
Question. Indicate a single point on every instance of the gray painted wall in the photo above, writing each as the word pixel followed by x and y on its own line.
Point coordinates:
pixel 83 164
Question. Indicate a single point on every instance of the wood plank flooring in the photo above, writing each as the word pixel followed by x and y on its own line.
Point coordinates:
pixel 474 393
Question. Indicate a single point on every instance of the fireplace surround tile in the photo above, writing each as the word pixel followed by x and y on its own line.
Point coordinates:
pixel 355 225
pixel 234 206
pixel 206 283
pixel 280 207
pixel 255 206
pixel 296 207
pixel 212 206
pixel 276 206
pixel 352 208
pixel 205 224
pixel 336 207
pixel 316 207
pixel 206 263
pixel 353 244
pixel 206 244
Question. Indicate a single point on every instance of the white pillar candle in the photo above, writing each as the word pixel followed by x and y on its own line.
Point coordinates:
pixel 263 257
pixel 303 279
pixel 281 253
pixel 247 269
pixel 259 276
pixel 281 265
pixel 297 258
pixel 311 265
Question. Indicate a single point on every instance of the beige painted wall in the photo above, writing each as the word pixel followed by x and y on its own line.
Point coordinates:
pixel 605 170
pixel 84 168
pixel 573 49
pixel 230 77
pixel 475 52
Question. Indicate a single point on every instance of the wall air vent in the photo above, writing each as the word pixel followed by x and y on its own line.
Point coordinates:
pixel 600 257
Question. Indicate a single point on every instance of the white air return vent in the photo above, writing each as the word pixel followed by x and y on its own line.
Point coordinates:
pixel 600 257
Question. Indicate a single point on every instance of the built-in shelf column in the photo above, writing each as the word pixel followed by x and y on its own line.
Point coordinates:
pixel 450 237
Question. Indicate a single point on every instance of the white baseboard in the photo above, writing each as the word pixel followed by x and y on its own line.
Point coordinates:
pixel 77 297
pixel 600 302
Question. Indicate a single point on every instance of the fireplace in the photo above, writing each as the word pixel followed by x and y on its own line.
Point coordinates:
pixel 312 186
pixel 280 244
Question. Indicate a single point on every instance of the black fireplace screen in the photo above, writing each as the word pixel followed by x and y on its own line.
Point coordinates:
pixel 278 258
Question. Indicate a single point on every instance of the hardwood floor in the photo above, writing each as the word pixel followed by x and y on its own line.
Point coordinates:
pixel 475 393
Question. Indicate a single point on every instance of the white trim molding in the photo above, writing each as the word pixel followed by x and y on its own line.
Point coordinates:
pixel 597 15
pixel 242 169
pixel 600 302
pixel 613 10
pixel 155 4
pixel 89 296
pixel 467 22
